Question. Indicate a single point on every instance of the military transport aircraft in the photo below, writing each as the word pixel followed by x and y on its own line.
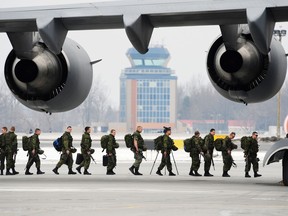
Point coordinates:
pixel 48 72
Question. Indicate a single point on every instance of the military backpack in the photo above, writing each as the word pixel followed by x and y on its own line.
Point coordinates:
pixel 128 140
pixel 244 142
pixel 58 145
pixel 188 145
pixel 25 143
pixel 218 144
pixel 104 141
pixel 158 143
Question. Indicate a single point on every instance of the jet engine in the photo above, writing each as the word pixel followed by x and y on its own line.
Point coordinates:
pixel 245 74
pixel 48 82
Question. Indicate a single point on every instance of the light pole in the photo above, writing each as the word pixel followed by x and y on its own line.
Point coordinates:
pixel 279 33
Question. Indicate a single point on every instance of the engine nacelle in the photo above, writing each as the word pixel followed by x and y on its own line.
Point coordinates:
pixel 245 75
pixel 50 83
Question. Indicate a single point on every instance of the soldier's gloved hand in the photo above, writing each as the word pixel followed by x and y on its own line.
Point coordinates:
pixel 67 151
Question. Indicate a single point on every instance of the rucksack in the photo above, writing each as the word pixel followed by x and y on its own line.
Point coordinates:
pixel 218 144
pixel 244 142
pixel 158 143
pixel 104 141
pixel 58 145
pixel 25 143
pixel 128 140
pixel 188 145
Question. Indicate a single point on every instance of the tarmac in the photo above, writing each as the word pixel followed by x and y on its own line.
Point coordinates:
pixel 126 194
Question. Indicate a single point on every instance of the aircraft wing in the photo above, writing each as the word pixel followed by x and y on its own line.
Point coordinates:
pixel 135 15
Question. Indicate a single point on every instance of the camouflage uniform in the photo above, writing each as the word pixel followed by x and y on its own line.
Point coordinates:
pixel 112 160
pixel 67 146
pixel 168 145
pixel 227 158
pixel 11 149
pixel 34 144
pixel 251 155
pixel 208 152
pixel 138 156
pixel 3 143
pixel 194 154
pixel 86 143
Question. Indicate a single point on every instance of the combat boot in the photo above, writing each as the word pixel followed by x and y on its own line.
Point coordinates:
pixel 191 173
pixel 8 172
pixel 110 172
pixel 171 173
pixel 159 172
pixel 71 172
pixel 197 174
pixel 86 172
pixel 137 172
pixel 55 170
pixel 225 174
pixel 132 170
pixel 247 175
pixel 39 172
pixel 208 174
pixel 14 171
pixel 79 169
pixel 27 172
pixel 257 175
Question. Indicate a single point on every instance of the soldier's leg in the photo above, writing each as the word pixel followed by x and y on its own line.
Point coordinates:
pixel 110 165
pixel 63 159
pixel 38 164
pixel 138 160
pixel 207 165
pixel 163 162
pixel 29 164
pixel 9 162
pixel 2 159
pixel 255 163
pixel 87 161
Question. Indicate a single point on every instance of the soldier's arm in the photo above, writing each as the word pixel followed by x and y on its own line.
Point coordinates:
pixel 14 144
pixel 110 145
pixel 65 141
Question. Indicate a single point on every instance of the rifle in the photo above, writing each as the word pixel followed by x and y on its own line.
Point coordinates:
pixel 142 156
pixel 212 161
pixel 93 159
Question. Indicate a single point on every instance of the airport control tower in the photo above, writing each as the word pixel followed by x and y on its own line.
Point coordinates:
pixel 148 91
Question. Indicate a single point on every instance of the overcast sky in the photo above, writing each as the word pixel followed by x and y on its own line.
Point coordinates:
pixel 188 47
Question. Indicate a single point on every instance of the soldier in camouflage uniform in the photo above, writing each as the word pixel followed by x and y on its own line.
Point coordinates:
pixel 250 155
pixel 138 149
pixel 195 153
pixel 228 146
pixel 208 151
pixel 168 145
pixel 33 151
pixel 86 143
pixel 111 152
pixel 67 150
pixel 11 150
pixel 3 141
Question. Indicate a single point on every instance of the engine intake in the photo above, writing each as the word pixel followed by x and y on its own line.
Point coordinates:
pixel 245 75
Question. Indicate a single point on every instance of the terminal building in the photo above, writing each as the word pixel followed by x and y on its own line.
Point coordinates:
pixel 148 91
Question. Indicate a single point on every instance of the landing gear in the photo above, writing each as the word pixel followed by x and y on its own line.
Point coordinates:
pixel 285 168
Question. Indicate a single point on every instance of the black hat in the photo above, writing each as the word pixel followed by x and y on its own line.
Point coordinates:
pixel 166 129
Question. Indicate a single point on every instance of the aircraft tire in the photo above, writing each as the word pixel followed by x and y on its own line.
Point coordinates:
pixel 285 168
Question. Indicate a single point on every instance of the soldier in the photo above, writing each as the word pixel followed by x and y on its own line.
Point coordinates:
pixel 168 145
pixel 250 155
pixel 67 150
pixel 111 152
pixel 228 146
pixel 11 151
pixel 86 151
pixel 194 154
pixel 33 152
pixel 208 151
pixel 138 149
pixel 3 139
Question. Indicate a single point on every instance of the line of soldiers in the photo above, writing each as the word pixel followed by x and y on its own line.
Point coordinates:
pixel 205 148
pixel 199 147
